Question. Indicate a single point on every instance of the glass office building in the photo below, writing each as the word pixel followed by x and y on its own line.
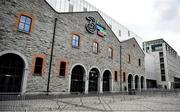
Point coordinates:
pixel 81 5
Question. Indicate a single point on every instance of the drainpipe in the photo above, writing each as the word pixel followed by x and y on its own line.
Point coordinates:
pixel 51 56
pixel 120 68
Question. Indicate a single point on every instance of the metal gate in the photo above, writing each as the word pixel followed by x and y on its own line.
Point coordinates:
pixel 93 80
pixel 11 72
pixel 130 78
pixel 106 81
pixel 77 82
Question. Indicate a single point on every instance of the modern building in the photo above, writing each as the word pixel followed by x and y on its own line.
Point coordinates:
pixel 46 51
pixel 151 71
pixel 133 70
pixel 119 30
pixel 164 64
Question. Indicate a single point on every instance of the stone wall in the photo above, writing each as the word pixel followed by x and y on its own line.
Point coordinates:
pixel 131 47
pixel 38 43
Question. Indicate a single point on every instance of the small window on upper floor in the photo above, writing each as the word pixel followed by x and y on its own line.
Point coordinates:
pixel 129 58
pixel 139 62
pixel 110 52
pixel 129 33
pixel 95 47
pixel 62 71
pixel 162 66
pixel 84 9
pixel 115 76
pixel 110 26
pixel 25 24
pixel 161 60
pixel 120 33
pixel 71 7
pixel 38 66
pixel 161 54
pixel 147 49
pixel 75 41
pixel 134 45
pixel 124 77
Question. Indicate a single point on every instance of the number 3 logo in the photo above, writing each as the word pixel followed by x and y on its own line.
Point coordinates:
pixel 91 25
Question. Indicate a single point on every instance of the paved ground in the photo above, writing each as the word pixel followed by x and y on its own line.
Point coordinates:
pixel 119 103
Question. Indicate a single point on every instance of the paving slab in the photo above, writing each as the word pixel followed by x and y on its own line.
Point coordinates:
pixel 116 103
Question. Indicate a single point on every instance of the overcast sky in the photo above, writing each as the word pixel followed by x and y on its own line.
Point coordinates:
pixel 150 19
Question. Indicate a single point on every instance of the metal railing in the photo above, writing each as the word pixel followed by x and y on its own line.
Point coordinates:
pixel 77 101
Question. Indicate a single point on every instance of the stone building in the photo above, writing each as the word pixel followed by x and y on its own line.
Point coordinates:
pixel 167 65
pixel 84 55
pixel 151 71
pixel 133 71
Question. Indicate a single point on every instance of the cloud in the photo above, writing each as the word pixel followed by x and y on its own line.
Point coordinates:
pixel 167 21
pixel 168 15
pixel 150 19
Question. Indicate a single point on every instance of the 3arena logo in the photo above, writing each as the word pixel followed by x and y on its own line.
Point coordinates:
pixel 92 26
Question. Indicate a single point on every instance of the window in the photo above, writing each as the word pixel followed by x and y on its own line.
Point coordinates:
pixel 162 72
pixel 25 24
pixel 162 66
pixel 115 75
pixel 147 49
pixel 167 47
pixel 134 45
pixel 156 47
pixel 161 60
pixel 62 71
pixel 75 41
pixel 139 62
pixel 163 78
pixel 38 66
pixel 119 32
pixel 129 58
pixel 110 52
pixel 129 34
pixel 124 77
pixel 71 8
pixel 95 47
pixel 160 54
pixel 110 26
pixel 84 9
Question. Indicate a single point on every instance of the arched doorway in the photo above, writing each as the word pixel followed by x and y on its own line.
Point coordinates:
pixel 136 82
pixel 77 79
pixel 11 73
pixel 142 82
pixel 94 80
pixel 130 80
pixel 106 80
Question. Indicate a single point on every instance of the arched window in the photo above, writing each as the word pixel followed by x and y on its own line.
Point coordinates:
pixel 25 24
